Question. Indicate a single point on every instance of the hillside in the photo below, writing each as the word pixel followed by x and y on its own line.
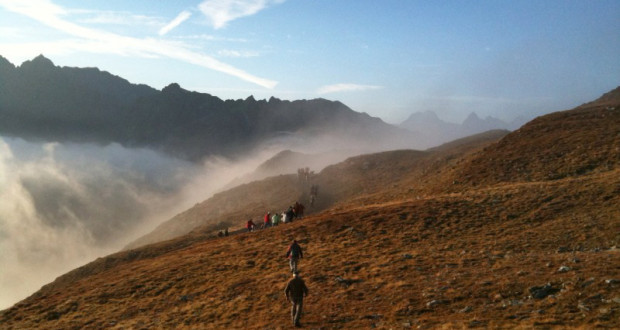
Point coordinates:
pixel 339 183
pixel 451 243
pixel 44 102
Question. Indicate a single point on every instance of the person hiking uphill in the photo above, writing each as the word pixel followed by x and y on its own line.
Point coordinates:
pixel 294 253
pixel 250 225
pixel 275 219
pixel 267 220
pixel 295 292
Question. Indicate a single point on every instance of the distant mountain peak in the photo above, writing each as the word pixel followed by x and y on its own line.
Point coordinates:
pixel 250 99
pixel 38 63
pixel 5 65
pixel 173 87
pixel 472 117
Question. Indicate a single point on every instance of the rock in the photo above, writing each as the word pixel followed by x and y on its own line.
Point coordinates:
pixel 540 292
pixel 345 282
pixel 467 309
pixel 436 302
pixel 475 323
pixel 562 249
pixel 595 298
pixel 588 282
pixel 616 300
pixel 372 316
pixel 563 269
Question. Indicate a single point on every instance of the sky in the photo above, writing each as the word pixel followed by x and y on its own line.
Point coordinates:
pixel 388 58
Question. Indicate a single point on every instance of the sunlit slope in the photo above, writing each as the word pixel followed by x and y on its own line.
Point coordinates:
pixel 498 251
pixel 338 184
pixel 230 209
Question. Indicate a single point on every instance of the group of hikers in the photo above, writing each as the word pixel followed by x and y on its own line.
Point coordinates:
pixel 296 288
pixel 295 211
pixel 304 174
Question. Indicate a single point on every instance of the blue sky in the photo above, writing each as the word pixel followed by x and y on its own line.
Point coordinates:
pixel 388 58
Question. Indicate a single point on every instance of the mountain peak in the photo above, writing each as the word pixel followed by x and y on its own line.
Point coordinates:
pixel 472 117
pixel 39 63
pixel 173 87
pixel 5 65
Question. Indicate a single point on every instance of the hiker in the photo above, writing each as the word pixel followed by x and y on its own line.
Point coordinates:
pixel 220 233
pixel 298 208
pixel 275 219
pixel 250 225
pixel 285 218
pixel 226 232
pixel 266 221
pixel 314 192
pixel 295 292
pixel 294 253
pixel 290 214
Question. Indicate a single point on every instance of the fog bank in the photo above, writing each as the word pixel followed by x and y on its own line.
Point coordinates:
pixel 64 205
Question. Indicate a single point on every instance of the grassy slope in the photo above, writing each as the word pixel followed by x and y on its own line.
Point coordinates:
pixel 456 242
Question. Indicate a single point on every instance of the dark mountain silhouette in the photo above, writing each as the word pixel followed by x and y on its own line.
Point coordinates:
pixel 434 131
pixel 42 101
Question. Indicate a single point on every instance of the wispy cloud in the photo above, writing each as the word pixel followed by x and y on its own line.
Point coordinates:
pixel 97 41
pixel 346 88
pixel 210 37
pixel 182 17
pixel 237 53
pixel 116 18
pixel 220 12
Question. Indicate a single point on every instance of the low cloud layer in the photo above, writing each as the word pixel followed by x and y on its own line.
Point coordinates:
pixel 62 206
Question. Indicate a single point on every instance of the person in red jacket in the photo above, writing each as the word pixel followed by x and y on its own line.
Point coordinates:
pixel 250 225
pixel 267 220
pixel 294 253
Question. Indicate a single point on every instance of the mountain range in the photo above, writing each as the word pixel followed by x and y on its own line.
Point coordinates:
pixel 435 131
pixel 497 230
pixel 41 101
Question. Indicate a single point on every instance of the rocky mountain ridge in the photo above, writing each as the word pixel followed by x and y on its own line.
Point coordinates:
pixel 41 101
pixel 435 131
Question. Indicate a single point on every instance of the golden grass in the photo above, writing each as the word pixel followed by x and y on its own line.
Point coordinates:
pixel 406 254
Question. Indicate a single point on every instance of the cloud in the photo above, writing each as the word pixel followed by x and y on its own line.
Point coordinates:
pixel 45 12
pixel 182 17
pixel 346 88
pixel 220 12
pixel 63 205
pixel 237 53
pixel 116 18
